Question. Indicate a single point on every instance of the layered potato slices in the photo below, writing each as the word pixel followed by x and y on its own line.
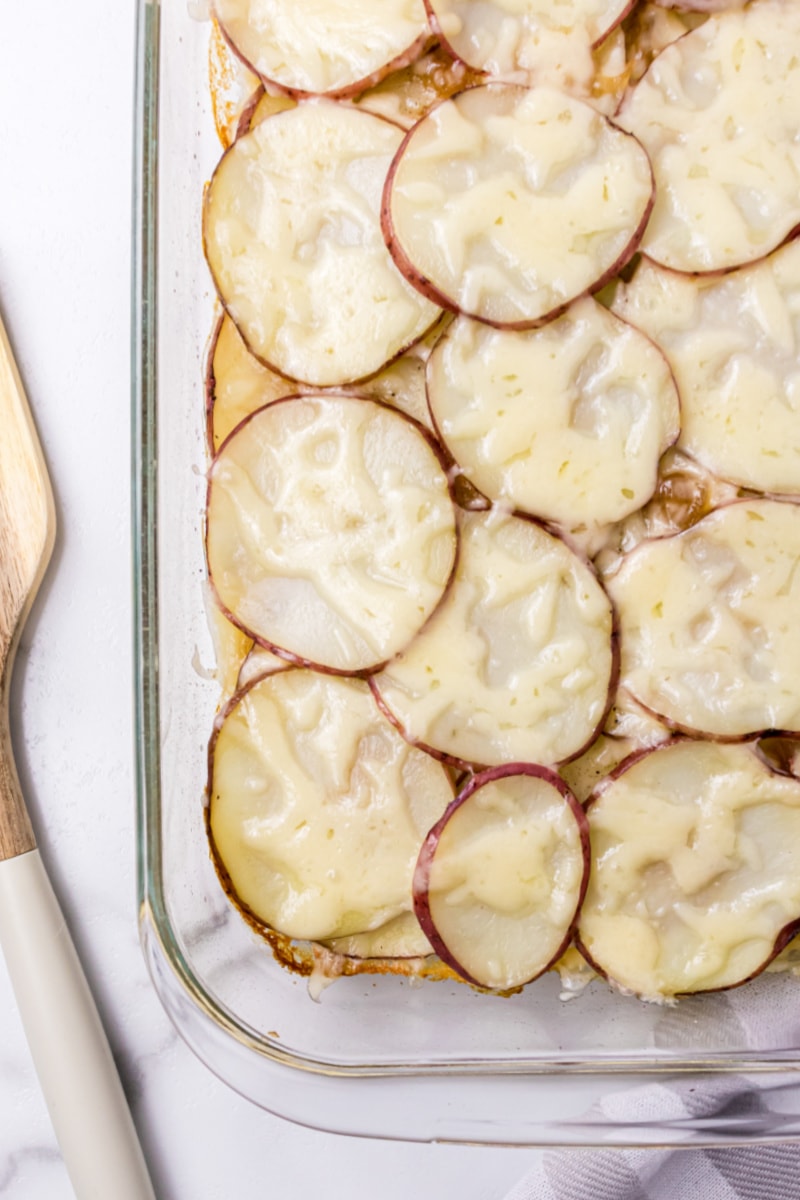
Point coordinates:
pixel 502 532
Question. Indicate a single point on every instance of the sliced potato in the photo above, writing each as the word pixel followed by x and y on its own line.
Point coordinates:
pixel 506 203
pixel 567 422
pixel 543 39
pixel 318 807
pixel 321 48
pixel 719 113
pixel 330 529
pixel 294 244
pixel 517 663
pixel 731 341
pixel 695 874
pixel 708 621
pixel 500 877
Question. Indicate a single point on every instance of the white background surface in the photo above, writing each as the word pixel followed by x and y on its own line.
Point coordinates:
pixel 66 89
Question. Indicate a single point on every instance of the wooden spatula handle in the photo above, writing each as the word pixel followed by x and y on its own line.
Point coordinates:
pixel 79 1079
pixel 16 832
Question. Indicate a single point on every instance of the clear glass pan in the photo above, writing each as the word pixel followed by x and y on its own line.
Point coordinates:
pixel 378 1056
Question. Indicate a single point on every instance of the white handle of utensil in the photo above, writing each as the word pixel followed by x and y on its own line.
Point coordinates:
pixel 69 1047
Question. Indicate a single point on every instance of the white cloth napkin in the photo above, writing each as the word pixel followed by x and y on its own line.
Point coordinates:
pixel 757 1173
pixel 715 1103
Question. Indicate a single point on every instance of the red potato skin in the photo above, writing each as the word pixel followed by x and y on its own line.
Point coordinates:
pixel 291 658
pixel 450 760
pixel 701 6
pixel 263 674
pixel 721 272
pixel 784 760
pixel 698 735
pixel 219 720
pixel 427 288
pixel 785 935
pixel 404 59
pixel 246 115
pixel 265 362
pixel 210 384
pixel 676 727
pixel 423 867
pixel 435 25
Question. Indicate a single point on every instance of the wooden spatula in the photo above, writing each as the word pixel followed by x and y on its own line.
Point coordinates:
pixel 69 1047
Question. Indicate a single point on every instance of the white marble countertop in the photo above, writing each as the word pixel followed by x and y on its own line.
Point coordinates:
pixel 66 97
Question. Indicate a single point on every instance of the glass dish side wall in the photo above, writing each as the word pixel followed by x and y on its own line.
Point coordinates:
pixel 377 1056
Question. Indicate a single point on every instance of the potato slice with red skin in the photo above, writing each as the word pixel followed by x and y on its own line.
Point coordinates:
pixel 506 203
pixel 500 877
pixel 293 241
pixel 503 37
pixel 317 807
pixel 731 341
pixel 566 422
pixel 331 533
pixel 695 873
pixel 719 113
pixel 519 661
pixel 316 48
pixel 708 622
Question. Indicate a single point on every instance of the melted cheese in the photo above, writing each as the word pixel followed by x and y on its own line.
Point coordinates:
pixel 318 806
pixel 695 869
pixel 516 664
pixel 294 243
pixel 708 621
pixel 331 533
pixel 549 42
pixel 719 113
pixel 503 884
pixel 512 202
pixel 331 46
pixel 567 422
pixel 733 345
pixel 401 937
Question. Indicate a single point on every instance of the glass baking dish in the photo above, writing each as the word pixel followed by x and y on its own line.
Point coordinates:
pixel 379 1056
